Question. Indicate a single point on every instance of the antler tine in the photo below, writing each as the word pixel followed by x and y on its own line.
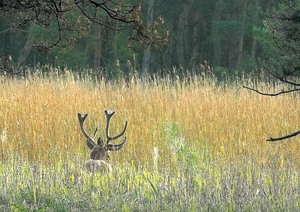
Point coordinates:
pixel 116 147
pixel 121 133
pixel 90 141
pixel 109 114
pixel 96 130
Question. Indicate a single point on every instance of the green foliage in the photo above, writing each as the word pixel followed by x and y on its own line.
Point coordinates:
pixel 284 26
pixel 248 65
pixel 271 53
pixel 230 35
pixel 188 158
pixel 227 28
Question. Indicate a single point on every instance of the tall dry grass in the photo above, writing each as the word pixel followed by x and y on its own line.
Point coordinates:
pixel 216 123
pixel 193 145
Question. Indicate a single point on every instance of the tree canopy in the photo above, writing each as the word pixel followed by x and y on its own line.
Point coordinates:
pixel 174 35
pixel 73 19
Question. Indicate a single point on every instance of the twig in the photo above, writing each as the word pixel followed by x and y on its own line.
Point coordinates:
pixel 276 94
pixel 271 94
pixel 282 79
pixel 284 137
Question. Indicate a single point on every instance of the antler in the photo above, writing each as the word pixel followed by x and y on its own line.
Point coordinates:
pixel 90 141
pixel 113 147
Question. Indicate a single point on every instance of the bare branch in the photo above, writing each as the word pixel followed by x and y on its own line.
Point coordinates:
pixel 284 137
pixel 271 94
pixel 110 14
pixel 282 79
pixel 276 94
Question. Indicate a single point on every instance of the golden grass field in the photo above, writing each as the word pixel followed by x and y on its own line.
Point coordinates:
pixel 192 145
pixel 227 123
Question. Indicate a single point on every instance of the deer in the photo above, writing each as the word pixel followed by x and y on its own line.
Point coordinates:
pixel 99 157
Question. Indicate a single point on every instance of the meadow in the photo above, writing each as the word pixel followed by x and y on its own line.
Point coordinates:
pixel 192 145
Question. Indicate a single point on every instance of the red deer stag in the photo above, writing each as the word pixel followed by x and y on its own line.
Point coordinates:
pixel 99 158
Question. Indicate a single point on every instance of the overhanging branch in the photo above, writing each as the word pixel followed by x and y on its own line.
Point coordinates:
pixel 284 137
pixel 111 14
pixel 282 79
pixel 271 94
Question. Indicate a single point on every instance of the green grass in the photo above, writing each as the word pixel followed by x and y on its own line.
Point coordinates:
pixel 66 187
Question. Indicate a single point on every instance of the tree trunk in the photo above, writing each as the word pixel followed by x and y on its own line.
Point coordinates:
pixel 182 37
pixel 25 50
pixel 217 48
pixel 236 42
pixel 98 48
pixel 253 48
pixel 147 51
pixel 254 41
pixel 195 40
pixel 242 8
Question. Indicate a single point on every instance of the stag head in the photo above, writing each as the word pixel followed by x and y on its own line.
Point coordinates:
pixel 101 148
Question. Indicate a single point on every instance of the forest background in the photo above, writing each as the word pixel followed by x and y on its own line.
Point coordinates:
pixel 193 144
pixel 229 34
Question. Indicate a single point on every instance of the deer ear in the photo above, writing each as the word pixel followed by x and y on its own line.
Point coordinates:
pixel 100 142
